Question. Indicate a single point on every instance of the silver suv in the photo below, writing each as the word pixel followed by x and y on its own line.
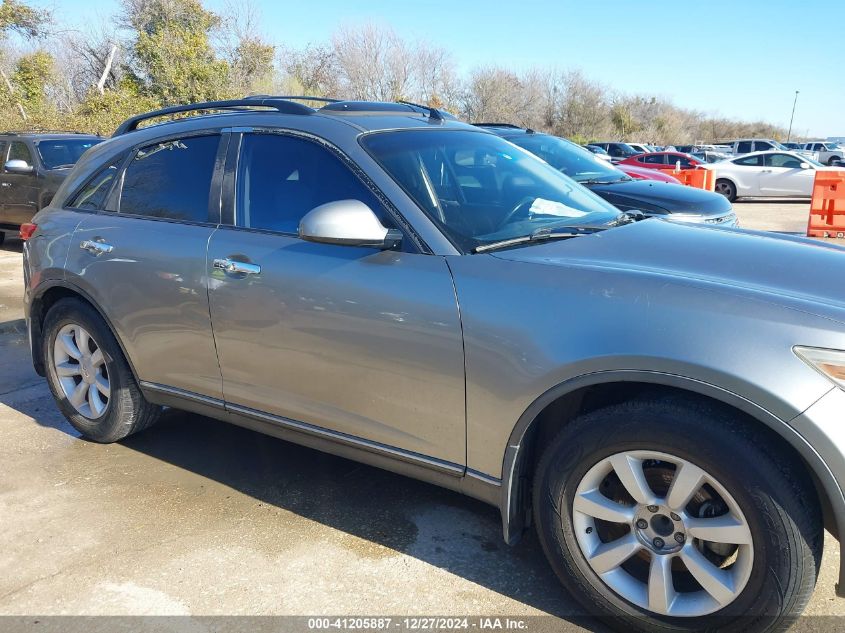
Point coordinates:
pixel 664 402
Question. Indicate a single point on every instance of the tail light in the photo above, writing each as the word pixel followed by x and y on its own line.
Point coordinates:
pixel 27 230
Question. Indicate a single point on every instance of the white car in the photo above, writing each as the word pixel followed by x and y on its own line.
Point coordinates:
pixel 774 174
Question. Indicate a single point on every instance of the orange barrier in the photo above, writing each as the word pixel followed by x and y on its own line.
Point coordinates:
pixel 699 178
pixel 827 209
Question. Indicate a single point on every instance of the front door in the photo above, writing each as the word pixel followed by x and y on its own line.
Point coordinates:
pixel 360 342
pixel 783 176
pixel 19 191
pixel 144 261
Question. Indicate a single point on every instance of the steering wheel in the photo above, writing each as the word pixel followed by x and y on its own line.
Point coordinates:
pixel 519 205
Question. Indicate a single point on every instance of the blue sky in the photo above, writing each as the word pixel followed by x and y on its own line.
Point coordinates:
pixel 742 58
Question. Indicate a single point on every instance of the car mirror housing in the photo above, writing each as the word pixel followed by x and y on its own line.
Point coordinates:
pixel 805 165
pixel 17 166
pixel 348 223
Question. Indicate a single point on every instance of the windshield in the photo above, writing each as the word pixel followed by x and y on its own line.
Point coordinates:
pixel 566 157
pixel 56 153
pixel 478 188
pixel 779 146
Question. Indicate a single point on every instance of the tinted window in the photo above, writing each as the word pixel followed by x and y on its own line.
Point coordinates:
pixel 818 147
pixel 782 160
pixel 171 180
pixel 56 154
pixel 19 151
pixel 760 146
pixel 655 159
pixel 744 147
pixel 749 161
pixel 93 195
pixel 281 178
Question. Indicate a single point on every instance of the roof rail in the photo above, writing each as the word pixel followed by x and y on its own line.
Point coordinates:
pixel 279 105
pixel 433 113
pixel 293 98
pixel 510 125
pixel 44 131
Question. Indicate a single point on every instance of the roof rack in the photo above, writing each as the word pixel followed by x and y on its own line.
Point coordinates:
pixel 433 113
pixel 40 131
pixel 274 103
pixel 293 98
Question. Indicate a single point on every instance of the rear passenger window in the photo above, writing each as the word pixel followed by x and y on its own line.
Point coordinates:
pixel 654 159
pixel 171 180
pixel 93 195
pixel 749 161
pixel 281 178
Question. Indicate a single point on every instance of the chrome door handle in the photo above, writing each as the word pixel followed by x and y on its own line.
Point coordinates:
pixel 96 248
pixel 5 184
pixel 232 266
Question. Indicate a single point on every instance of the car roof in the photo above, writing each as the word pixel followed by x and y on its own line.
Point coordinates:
pixel 49 135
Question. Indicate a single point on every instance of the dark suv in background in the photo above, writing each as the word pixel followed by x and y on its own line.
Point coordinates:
pixel 34 165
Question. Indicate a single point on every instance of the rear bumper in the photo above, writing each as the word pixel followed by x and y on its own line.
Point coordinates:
pixel 823 427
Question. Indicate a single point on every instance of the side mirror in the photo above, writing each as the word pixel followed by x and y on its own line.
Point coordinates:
pixel 349 223
pixel 804 165
pixel 17 166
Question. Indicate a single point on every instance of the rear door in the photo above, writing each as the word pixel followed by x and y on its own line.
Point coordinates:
pixel 360 344
pixel 140 253
pixel 20 191
pixel 746 173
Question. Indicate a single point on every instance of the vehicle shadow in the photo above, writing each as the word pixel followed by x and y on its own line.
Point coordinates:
pixel 12 244
pixel 439 527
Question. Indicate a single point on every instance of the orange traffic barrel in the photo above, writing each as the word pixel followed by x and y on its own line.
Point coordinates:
pixel 699 178
pixel 827 208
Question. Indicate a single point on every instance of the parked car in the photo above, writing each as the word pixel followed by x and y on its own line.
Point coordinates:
pixel 828 153
pixel 641 173
pixel 792 146
pixel 599 152
pixel 640 148
pixel 664 160
pixel 747 146
pixel 34 165
pixel 766 174
pixel 651 198
pixel 385 283
pixel 617 151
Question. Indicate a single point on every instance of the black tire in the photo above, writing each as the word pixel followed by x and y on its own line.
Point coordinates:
pixel 726 188
pixel 774 493
pixel 834 160
pixel 127 411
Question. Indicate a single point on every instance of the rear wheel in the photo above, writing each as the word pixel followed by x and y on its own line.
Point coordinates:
pixel 726 188
pixel 834 160
pixel 89 376
pixel 672 517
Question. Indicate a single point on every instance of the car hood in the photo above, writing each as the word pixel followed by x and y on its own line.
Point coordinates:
pixel 661 196
pixel 793 271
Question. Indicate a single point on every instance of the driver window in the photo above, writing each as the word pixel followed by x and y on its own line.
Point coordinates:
pixel 19 151
pixel 281 178
pixel 782 160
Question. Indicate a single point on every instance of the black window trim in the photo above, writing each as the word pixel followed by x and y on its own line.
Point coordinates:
pixel 112 205
pixel 229 187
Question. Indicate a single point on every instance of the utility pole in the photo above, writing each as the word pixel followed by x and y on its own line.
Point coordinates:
pixel 107 68
pixel 789 134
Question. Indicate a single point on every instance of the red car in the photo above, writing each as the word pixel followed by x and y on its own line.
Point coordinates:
pixel 663 160
pixel 641 173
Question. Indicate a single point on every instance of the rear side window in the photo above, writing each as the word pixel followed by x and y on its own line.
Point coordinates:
pixel 93 195
pixel 654 159
pixel 281 178
pixel 744 147
pixel 749 161
pixel 171 180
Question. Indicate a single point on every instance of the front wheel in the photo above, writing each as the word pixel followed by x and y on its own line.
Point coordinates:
pixel 726 188
pixel 671 516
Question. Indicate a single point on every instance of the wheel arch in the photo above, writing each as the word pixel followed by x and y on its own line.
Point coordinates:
pixel 45 297
pixel 560 404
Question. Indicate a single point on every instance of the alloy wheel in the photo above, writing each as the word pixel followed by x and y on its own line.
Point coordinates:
pixel 662 533
pixel 81 371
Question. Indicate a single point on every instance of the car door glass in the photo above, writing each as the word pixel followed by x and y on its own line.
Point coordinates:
pixel 655 159
pixel 749 161
pixel 782 160
pixel 281 178
pixel 93 195
pixel 171 180
pixel 743 147
pixel 19 151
